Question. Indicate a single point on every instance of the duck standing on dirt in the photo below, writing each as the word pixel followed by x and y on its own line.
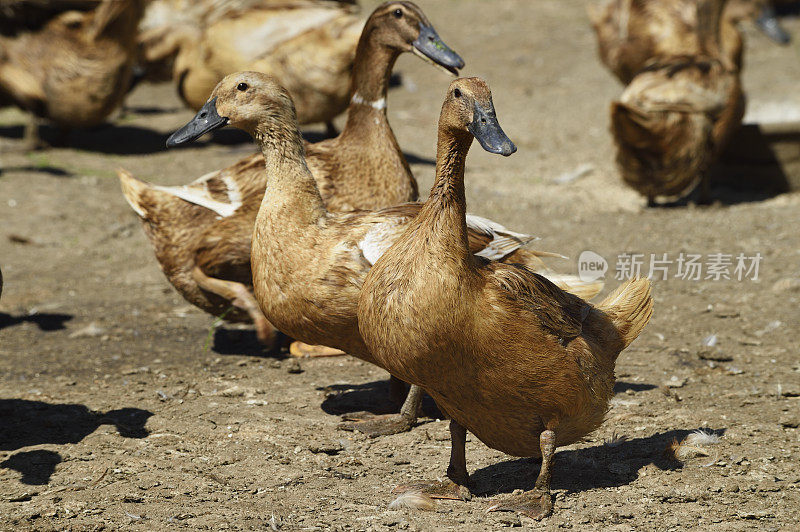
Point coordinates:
pixel 202 232
pixel 74 70
pixel 309 263
pixel 505 353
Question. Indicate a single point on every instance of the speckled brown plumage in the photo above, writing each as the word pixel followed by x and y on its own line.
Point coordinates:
pixel 506 354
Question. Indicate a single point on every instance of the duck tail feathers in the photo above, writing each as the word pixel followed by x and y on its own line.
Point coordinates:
pixel 630 307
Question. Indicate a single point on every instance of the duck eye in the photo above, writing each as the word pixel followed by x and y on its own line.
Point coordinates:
pixel 242 87
pixel 457 93
pixel 398 13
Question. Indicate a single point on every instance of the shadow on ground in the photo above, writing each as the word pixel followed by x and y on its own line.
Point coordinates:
pixel 601 466
pixel 25 423
pixel 622 387
pixel 36 467
pixel 45 321
pixel 374 397
pixel 244 342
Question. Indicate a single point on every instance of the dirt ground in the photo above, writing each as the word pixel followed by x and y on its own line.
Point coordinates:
pixel 121 407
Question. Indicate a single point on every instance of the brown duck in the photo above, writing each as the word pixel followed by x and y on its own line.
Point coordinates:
pixel 75 69
pixel 309 263
pixel 633 33
pixel 505 353
pixel 677 114
pixel 362 168
pixel 307 44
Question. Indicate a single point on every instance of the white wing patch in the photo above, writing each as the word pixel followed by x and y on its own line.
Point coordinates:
pixel 197 193
pixel 504 241
pixel 377 240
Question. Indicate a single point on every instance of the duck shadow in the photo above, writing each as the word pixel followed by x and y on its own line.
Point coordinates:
pixel 119 139
pixel 418 159
pixel 601 466
pixel 46 322
pixel 244 342
pixel 36 467
pixel 622 387
pixel 373 397
pixel 759 163
pixel 54 171
pixel 24 423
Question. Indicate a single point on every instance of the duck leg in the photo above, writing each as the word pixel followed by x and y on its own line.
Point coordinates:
pixel 455 486
pixel 330 130
pixel 239 296
pixel 536 503
pixel 31 141
pixel 374 425
pixel 705 190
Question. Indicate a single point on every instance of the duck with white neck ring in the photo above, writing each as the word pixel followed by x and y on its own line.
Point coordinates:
pixel 309 263
pixel 363 168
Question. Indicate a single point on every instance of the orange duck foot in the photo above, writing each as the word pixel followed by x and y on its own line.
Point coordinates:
pixel 443 489
pixel 378 425
pixel 536 504
pixel 301 350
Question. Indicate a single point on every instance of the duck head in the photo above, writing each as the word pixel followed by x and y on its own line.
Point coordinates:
pixel 243 100
pixel 402 26
pixel 468 110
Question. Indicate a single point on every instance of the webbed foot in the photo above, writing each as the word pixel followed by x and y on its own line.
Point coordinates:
pixel 536 504
pixel 301 350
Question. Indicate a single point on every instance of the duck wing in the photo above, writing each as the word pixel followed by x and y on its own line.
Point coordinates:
pixel 557 311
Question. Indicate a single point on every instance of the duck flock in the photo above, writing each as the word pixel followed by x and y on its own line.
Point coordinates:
pixel 329 244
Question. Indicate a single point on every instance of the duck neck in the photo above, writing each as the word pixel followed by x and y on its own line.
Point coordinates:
pixel 290 185
pixel 371 72
pixel 446 208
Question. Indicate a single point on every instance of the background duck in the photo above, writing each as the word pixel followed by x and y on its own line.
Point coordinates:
pixel 509 356
pixel 362 168
pixel 75 69
pixel 309 263
pixel 633 33
pixel 677 115
pixel 308 45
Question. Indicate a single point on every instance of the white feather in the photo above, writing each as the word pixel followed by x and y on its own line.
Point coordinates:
pixel 702 437
pixel 378 239
pixel 203 200
pixel 413 500
pixel 504 241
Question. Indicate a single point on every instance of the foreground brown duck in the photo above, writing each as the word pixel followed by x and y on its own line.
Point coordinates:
pixel 75 69
pixel 505 353
pixel 362 168
pixel 309 263
pixel 677 114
